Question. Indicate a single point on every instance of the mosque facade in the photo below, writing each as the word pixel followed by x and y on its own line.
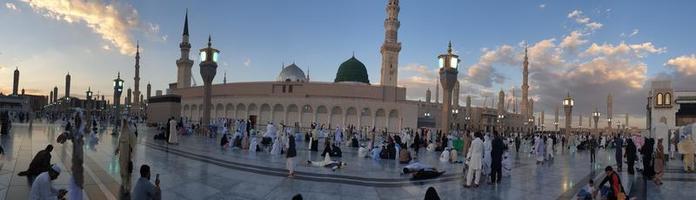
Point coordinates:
pixel 349 100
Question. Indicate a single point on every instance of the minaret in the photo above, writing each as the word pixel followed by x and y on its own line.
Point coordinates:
pixel 67 85
pixel 626 124
pixel 427 95
pixel 555 120
pixel 136 79
pixel 224 78
pixel 580 121
pixel 129 97
pixel 501 102
pixel 455 95
pixel 55 94
pixel 437 93
pixel 15 82
pixel 525 86
pixel 541 122
pixel 609 110
pixel 184 64
pixel 514 101
pixel 391 47
pixel 149 90
pixel 50 98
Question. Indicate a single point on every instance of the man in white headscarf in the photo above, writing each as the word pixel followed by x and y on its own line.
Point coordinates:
pixel 338 136
pixel 474 161
pixel 125 150
pixel 42 188
pixel 173 136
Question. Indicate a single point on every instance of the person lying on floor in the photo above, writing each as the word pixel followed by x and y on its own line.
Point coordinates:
pixel 327 162
pixel 421 171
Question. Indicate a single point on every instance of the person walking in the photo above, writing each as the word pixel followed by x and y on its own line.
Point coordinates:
pixel 630 155
pixel 592 146
pixel 618 145
pixel 659 162
pixel 290 156
pixel 474 159
pixel 497 159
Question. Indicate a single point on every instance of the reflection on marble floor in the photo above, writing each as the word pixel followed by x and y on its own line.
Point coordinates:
pixel 198 168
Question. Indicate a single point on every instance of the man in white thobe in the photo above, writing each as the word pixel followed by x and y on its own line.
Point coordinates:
pixel 42 188
pixel 475 158
pixel 173 134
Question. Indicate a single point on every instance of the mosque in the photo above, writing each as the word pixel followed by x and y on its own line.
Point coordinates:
pixel 349 100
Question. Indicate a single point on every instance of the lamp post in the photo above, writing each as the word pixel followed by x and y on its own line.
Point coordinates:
pixel 118 89
pixel 595 117
pixel 530 122
pixel 455 112
pixel 568 104
pixel 466 120
pixel 448 76
pixel 209 58
pixel 500 121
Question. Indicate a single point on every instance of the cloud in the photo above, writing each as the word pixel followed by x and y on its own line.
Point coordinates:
pixel 685 65
pixel 581 19
pixel 112 22
pixel 542 6
pixel 638 50
pixel 483 73
pixel 572 41
pixel 634 33
pixel 11 6
pixel 247 62
pixel 106 47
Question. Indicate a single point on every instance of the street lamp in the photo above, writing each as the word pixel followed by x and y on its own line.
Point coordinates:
pixel 448 63
pixel 118 89
pixel 500 121
pixel 595 116
pixel 208 69
pixel 568 104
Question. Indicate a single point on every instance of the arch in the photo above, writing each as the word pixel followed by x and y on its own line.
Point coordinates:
pixel 659 99
pixel 219 111
pixel 186 112
pixel 278 114
pixel 322 116
pixel 366 118
pixel 336 118
pixel 240 111
pixel 393 120
pixel 306 116
pixel 292 115
pixel 194 113
pixel 229 111
pixel 264 114
pixel 380 119
pixel 668 98
pixel 351 117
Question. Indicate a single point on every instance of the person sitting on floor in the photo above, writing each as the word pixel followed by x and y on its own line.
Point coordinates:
pixel 404 155
pixel 421 171
pixel 327 162
pixel 40 163
pixel 445 155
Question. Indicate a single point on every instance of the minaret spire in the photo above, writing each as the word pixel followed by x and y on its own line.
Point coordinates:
pixel 186 33
pixel 525 107
pixel 136 79
pixel 224 78
pixel 391 47
pixel 184 64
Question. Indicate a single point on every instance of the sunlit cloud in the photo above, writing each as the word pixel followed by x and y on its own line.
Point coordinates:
pixel 542 6
pixel 11 6
pixel 686 65
pixel 112 22
pixel 581 19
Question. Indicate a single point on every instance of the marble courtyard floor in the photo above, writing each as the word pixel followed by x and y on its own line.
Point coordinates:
pixel 198 168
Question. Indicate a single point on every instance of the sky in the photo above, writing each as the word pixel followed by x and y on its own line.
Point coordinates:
pixel 586 48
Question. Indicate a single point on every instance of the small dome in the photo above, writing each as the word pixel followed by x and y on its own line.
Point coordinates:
pixel 352 70
pixel 292 73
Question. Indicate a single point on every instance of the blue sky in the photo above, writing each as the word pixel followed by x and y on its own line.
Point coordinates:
pixel 47 40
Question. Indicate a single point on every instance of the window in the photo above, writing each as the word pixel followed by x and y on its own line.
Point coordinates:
pixel 283 88
pixel 668 98
pixel 290 89
pixel 659 99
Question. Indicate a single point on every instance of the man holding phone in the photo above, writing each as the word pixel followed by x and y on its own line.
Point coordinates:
pixel 144 189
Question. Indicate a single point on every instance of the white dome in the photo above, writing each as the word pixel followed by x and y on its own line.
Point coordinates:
pixel 292 73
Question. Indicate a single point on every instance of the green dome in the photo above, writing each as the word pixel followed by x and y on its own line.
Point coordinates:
pixel 352 70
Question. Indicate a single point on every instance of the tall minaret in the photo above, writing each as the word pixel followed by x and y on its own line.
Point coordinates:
pixel 136 79
pixel 525 86
pixel 15 82
pixel 391 47
pixel 427 95
pixel 437 92
pixel 224 78
pixel 455 95
pixel 149 90
pixel 555 120
pixel 609 110
pixel 184 64
pixel 514 101
pixel 67 85
pixel 501 102
pixel 55 93
pixel 541 121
